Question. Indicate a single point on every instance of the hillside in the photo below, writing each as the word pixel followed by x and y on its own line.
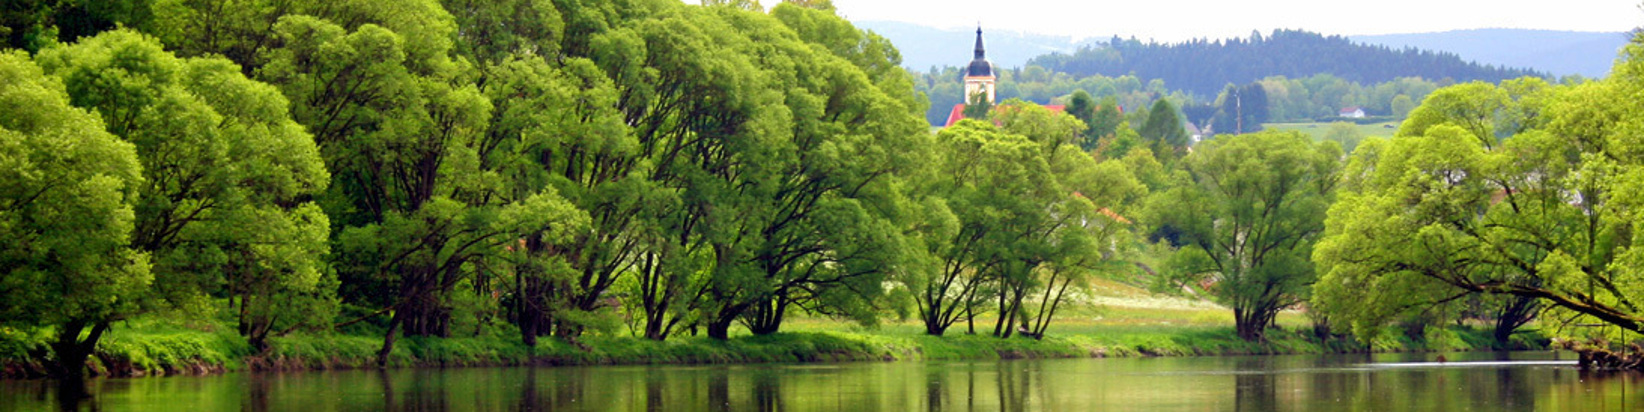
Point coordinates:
pixel 1557 52
pixel 1204 67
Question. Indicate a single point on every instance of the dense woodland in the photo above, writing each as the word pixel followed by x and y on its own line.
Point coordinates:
pixel 1203 66
pixel 557 169
pixel 1304 77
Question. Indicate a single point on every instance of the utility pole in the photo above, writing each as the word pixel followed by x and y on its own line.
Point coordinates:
pixel 1238 106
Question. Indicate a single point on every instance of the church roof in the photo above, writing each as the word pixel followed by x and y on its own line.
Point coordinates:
pixel 980 66
pixel 958 112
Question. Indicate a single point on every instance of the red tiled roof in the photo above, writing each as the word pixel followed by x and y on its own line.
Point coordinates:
pixel 958 113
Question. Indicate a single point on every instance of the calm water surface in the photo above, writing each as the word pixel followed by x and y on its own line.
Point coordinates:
pixel 1283 383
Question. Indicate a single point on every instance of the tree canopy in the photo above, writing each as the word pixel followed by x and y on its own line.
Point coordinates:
pixel 1249 209
pixel 1522 189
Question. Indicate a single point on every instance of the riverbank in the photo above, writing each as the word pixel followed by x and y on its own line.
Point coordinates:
pixel 172 351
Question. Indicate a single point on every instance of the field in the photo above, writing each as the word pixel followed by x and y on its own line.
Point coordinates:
pixel 1317 130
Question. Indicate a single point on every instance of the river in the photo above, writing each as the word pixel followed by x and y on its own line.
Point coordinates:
pixel 1524 381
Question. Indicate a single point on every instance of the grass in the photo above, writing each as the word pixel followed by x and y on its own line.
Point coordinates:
pixel 1317 130
pixel 1110 319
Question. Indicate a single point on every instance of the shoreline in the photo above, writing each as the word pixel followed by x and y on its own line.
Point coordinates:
pixel 199 353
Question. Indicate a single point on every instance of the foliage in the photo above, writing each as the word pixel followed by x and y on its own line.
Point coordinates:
pixel 67 189
pixel 1017 211
pixel 1345 134
pixel 1522 189
pixel 1163 129
pixel 1203 66
pixel 223 210
pixel 1249 208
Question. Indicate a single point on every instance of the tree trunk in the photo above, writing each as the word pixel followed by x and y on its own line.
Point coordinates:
pixel 970 318
pixel 388 339
pixel 935 328
pixel 654 328
pixel 719 329
pixel 1250 326
pixel 72 352
pixel 421 312
pixel 765 317
pixel 1519 312
pixel 719 325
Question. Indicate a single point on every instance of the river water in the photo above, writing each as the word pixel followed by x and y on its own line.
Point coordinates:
pixel 1524 381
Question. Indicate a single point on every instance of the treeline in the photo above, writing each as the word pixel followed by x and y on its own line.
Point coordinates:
pixel 1202 67
pixel 536 168
pixel 946 87
pixel 1513 200
pixel 1314 98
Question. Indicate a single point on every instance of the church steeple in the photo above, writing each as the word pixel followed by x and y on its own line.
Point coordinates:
pixel 981 54
pixel 979 78
pixel 980 66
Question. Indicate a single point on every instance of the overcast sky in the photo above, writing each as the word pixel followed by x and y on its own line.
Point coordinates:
pixel 1166 20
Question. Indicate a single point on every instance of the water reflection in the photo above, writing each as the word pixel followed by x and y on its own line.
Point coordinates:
pixel 1254 388
pixel 1200 384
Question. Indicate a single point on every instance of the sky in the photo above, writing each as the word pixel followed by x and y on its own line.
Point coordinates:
pixel 1170 21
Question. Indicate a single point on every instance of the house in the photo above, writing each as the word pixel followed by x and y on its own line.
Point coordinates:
pixel 1353 112
pixel 1193 133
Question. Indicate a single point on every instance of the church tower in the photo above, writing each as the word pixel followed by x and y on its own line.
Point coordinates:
pixel 979 76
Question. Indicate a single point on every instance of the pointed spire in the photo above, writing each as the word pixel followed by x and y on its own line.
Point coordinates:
pixel 980 53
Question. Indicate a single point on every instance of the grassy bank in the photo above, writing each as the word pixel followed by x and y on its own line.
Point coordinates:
pixel 138 352
pixel 1110 319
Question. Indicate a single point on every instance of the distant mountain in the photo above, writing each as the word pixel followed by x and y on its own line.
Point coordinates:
pixel 1204 67
pixel 1557 52
pixel 923 47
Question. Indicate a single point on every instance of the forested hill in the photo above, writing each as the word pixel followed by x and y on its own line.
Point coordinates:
pixel 1561 53
pixel 1204 67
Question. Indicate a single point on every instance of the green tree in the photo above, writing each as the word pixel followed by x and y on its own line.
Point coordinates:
pixel 992 183
pixel 416 207
pixel 1402 105
pixel 1249 211
pixel 1163 129
pixel 1081 106
pixel 1104 124
pixel 1013 211
pixel 1497 191
pixel 67 189
pixel 33 25
pixel 978 107
pixel 224 209
pixel 812 229
pixel 1345 134
pixel 1477 107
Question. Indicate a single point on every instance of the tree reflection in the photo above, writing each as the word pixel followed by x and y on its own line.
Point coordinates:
pixel 72 394
pixel 655 396
pixel 1255 385
pixel 530 397
pixel 719 390
pixel 936 388
pixel 767 391
pixel 258 388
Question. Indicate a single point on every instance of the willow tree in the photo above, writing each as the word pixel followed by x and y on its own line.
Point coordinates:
pixel 228 175
pixel 1524 190
pixel 67 188
pixel 808 187
pixel 1014 212
pixel 1249 211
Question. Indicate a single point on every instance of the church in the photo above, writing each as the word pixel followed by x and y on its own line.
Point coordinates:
pixel 980 79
